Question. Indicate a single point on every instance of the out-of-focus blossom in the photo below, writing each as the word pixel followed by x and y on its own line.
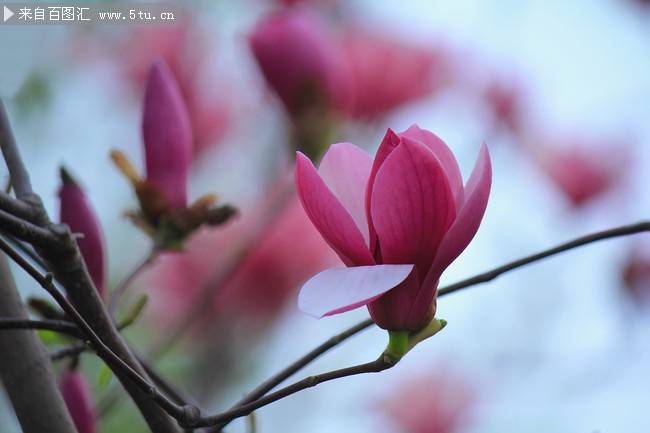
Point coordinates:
pixel 397 222
pixel 435 403
pixel 76 212
pixel 581 172
pixel 635 274
pixel 505 101
pixel 167 136
pixel 78 399
pixel 284 256
pixel 387 73
pixel 301 61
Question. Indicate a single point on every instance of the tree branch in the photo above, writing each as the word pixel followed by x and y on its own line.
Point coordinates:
pixel 25 369
pixel 380 364
pixel 630 229
pixel 19 176
pixel 61 326
pixel 129 376
pixel 24 230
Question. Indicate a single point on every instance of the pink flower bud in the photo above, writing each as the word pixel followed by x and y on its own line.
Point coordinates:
pixel 300 60
pixel 397 222
pixel 635 273
pixel 78 398
pixel 76 212
pixel 167 136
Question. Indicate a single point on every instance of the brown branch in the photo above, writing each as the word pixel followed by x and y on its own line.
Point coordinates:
pixel 61 326
pixel 24 230
pixel 643 226
pixel 25 370
pixel 19 176
pixel 126 282
pixel 380 364
pixel 129 376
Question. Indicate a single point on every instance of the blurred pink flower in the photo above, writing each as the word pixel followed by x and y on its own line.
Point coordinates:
pixel 300 60
pixel 387 73
pixel 436 403
pixel 78 399
pixel 76 212
pixel 504 98
pixel 635 273
pixel 167 136
pixel 581 172
pixel 397 222
pixel 286 254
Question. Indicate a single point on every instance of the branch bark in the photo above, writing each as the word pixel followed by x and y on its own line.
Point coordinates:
pixel 26 370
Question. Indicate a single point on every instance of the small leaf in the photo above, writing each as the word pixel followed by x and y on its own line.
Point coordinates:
pixel 105 375
pixel 135 311
pixel 51 338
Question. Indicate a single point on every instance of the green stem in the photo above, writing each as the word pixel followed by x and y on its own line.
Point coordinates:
pixel 398 345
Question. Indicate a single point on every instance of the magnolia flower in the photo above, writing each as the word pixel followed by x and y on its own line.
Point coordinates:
pixel 300 60
pixel 397 222
pixel 167 136
pixel 78 399
pixel 76 212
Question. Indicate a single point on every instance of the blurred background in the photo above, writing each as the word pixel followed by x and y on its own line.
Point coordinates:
pixel 558 90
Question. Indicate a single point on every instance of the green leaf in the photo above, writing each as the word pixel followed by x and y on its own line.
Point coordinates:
pixel 105 375
pixel 51 338
pixel 135 311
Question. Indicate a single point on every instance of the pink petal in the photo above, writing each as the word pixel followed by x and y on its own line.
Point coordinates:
pixel 335 291
pixel 345 169
pixel 444 155
pixel 167 135
pixel 78 399
pixel 412 205
pixel 387 145
pixel 329 216
pixel 469 218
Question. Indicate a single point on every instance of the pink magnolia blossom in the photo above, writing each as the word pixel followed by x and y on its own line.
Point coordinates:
pixel 76 212
pixel 397 222
pixel 78 399
pixel 262 283
pixel 581 173
pixel 387 73
pixel 433 403
pixel 300 60
pixel 167 136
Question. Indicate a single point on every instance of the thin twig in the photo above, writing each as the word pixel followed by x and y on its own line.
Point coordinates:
pixel 112 360
pixel 19 176
pixel 643 226
pixel 380 364
pixel 124 285
pixel 16 207
pixel 24 230
pixel 27 250
pixel 61 326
